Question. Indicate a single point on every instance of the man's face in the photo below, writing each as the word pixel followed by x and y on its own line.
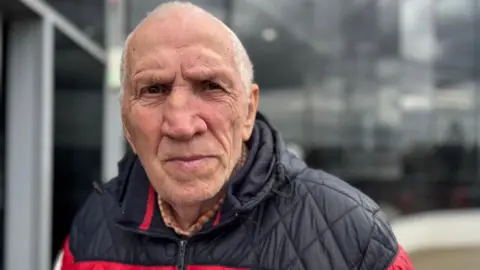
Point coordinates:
pixel 184 109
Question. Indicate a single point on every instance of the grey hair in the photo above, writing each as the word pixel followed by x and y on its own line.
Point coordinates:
pixel 240 55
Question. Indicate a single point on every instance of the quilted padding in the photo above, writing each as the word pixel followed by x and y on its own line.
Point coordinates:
pixel 278 214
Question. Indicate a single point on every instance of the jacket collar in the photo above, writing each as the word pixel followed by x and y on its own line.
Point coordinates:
pixel 138 208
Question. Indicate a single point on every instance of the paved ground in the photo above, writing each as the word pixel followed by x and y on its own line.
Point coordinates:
pixel 459 259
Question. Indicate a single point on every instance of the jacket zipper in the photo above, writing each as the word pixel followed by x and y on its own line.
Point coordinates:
pixel 182 243
pixel 181 254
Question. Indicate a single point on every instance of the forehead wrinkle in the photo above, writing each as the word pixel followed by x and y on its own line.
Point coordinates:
pixel 191 25
pixel 202 55
pixel 155 59
pixel 194 25
pixel 180 17
pixel 158 37
pixel 209 46
pixel 208 64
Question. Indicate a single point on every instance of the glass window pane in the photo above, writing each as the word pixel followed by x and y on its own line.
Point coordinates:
pixel 87 15
pixel 456 35
pixel 274 35
pixel 373 91
pixel 78 132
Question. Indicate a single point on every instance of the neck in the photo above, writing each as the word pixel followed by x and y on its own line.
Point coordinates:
pixel 186 216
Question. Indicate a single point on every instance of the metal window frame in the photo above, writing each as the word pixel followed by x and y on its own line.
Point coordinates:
pixel 29 129
pixel 66 27
pixel 29 140
pixel 113 145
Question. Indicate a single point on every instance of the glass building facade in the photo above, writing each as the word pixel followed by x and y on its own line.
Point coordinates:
pixel 384 94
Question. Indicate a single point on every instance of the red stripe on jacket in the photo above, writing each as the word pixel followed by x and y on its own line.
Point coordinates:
pixel 402 261
pixel 68 263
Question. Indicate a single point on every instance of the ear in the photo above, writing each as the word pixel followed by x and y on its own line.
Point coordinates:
pixel 252 109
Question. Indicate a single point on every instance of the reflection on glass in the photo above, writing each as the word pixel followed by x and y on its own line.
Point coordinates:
pixel 87 15
pixel 78 126
pixel 277 46
pixel 417 28
pixel 381 93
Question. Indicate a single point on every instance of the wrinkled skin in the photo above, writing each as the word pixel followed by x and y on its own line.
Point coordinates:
pixel 184 109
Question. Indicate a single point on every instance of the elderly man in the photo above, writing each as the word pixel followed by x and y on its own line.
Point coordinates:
pixel 210 185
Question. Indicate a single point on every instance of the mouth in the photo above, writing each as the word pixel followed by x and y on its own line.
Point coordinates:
pixel 189 163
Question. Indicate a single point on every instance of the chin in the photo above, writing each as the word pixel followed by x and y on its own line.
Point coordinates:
pixel 194 192
pixel 187 188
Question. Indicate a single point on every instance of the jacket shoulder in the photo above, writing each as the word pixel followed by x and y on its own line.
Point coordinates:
pixel 101 199
pixel 320 183
pixel 347 218
pixel 94 217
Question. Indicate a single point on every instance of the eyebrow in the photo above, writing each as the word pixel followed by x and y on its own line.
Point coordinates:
pixel 148 65
pixel 151 76
pixel 210 73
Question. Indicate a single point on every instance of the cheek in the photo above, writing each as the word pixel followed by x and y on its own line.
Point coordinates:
pixel 223 115
pixel 224 121
pixel 145 124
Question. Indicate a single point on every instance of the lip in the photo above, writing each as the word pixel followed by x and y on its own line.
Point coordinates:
pixel 189 163
pixel 188 158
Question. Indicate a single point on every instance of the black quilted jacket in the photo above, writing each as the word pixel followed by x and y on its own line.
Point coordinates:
pixel 278 214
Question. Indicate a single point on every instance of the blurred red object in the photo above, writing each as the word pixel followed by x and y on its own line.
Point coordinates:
pixel 406 201
pixel 460 197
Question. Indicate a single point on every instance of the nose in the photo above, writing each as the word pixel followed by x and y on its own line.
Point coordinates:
pixel 181 118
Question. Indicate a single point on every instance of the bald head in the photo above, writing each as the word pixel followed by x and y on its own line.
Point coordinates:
pixel 191 22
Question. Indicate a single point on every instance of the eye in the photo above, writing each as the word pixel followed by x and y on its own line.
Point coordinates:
pixel 156 89
pixel 210 85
